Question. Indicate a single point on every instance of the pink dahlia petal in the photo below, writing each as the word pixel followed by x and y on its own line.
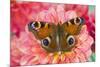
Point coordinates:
pixel 86 40
pixel 83 46
pixel 33 61
pixel 75 59
pixel 67 60
pixel 83 34
pixel 88 53
pixel 81 10
pixel 61 13
pixel 29 59
pixel 86 45
pixel 70 15
pixel 43 58
pixel 80 55
pixel 47 16
pixel 24 44
pixel 69 56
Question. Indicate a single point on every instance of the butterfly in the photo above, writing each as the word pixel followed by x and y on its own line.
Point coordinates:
pixel 60 37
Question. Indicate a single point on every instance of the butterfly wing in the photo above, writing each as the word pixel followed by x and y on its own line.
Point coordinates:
pixel 46 33
pixel 70 29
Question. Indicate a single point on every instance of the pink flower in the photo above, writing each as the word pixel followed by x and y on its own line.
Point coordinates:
pixel 81 10
pixel 25 11
pixel 26 49
pixel 91 27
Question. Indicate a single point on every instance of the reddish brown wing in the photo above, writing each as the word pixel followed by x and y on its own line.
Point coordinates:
pixel 46 33
pixel 70 29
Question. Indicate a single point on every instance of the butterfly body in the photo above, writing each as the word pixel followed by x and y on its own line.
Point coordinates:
pixel 60 37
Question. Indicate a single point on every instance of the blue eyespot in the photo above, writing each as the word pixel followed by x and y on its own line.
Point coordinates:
pixel 34 25
pixel 81 20
pixel 31 26
pixel 70 40
pixel 46 41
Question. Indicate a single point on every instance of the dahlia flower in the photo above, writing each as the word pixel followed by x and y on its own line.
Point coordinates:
pixel 27 50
